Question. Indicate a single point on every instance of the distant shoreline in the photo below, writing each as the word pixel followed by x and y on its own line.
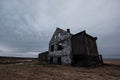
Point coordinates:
pixel 111 59
pixel 18 57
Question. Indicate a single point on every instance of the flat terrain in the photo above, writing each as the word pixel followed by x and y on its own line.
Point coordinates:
pixel 42 71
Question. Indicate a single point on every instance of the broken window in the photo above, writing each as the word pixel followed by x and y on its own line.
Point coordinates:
pixel 59 46
pixel 52 47
pixel 55 36
pixel 59 35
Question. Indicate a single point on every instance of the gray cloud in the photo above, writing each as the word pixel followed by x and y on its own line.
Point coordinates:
pixel 26 26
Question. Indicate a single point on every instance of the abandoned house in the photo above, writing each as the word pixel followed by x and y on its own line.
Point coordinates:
pixel 75 49
pixel 43 56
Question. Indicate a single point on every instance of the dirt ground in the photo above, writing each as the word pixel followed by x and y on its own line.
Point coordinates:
pixel 42 71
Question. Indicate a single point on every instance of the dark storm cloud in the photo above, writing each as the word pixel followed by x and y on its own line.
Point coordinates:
pixel 26 26
pixel 19 30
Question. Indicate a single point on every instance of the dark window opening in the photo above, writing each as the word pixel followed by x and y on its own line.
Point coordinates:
pixel 52 47
pixel 59 46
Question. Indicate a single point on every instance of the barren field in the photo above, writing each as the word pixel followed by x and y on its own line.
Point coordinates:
pixel 42 71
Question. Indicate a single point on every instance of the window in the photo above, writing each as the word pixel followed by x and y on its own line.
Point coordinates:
pixel 59 35
pixel 55 36
pixel 59 46
pixel 52 47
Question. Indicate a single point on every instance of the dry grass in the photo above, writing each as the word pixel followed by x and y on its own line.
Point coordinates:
pixel 42 71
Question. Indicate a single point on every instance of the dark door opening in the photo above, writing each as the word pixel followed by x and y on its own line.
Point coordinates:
pixel 51 60
pixel 79 60
pixel 59 60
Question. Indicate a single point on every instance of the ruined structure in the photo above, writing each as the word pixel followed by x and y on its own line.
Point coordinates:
pixel 75 49
pixel 43 56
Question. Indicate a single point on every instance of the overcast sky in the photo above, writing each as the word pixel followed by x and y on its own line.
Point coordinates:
pixel 26 26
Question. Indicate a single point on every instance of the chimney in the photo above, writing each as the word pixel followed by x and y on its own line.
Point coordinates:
pixel 68 30
pixel 84 31
pixel 95 38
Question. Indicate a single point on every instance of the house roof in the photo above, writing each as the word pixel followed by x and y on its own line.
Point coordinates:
pixel 80 33
pixel 84 32
pixel 43 52
pixel 63 30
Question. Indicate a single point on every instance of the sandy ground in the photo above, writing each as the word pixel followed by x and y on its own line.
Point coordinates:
pixel 42 71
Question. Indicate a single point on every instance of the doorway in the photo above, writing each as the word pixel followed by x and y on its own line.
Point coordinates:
pixel 59 60
pixel 51 60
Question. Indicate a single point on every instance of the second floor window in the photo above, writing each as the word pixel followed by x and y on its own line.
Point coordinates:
pixel 59 46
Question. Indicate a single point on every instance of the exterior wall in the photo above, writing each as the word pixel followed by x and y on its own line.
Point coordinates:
pixel 64 38
pixel 91 45
pixel 84 50
pixel 78 45
pixel 64 53
pixel 64 59
pixel 84 44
